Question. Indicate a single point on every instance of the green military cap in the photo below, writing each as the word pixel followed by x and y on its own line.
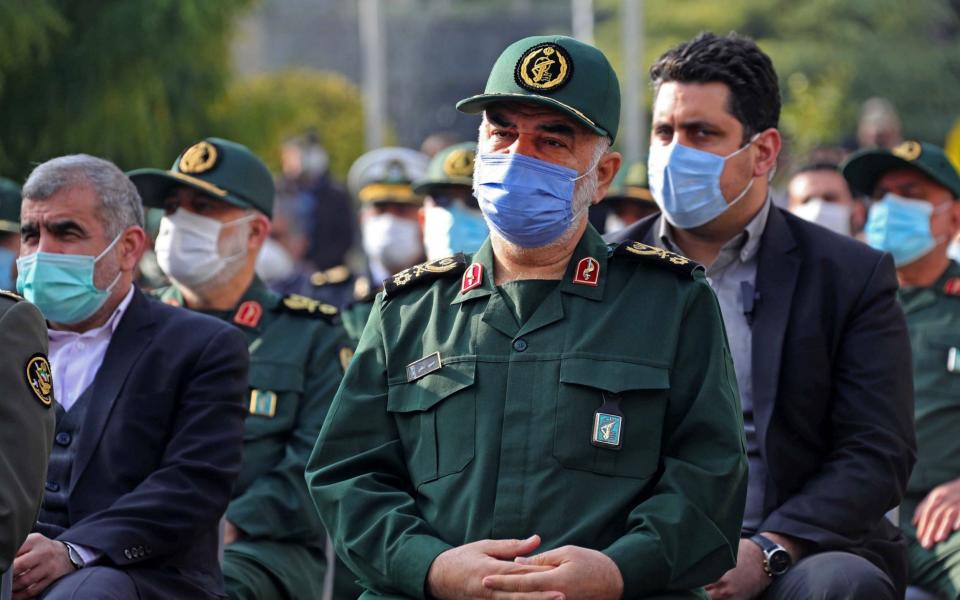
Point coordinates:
pixel 219 168
pixel 451 166
pixel 864 168
pixel 559 72
pixel 387 175
pixel 631 184
pixel 9 206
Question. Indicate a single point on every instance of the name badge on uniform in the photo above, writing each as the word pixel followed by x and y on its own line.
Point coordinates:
pixel 263 403
pixel 608 423
pixel 953 360
pixel 426 365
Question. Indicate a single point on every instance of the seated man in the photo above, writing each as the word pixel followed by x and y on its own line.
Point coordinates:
pixel 26 420
pixel 217 213
pixel 150 403
pixel 549 415
pixel 915 216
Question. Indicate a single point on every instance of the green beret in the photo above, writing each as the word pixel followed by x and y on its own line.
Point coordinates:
pixel 559 72
pixel 863 169
pixel 219 168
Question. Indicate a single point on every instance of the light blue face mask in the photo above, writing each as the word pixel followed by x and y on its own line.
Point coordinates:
pixel 452 228
pixel 901 226
pixel 61 285
pixel 7 258
pixel 685 182
pixel 526 200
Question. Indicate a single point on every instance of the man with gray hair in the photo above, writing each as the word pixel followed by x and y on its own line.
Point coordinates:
pixel 149 403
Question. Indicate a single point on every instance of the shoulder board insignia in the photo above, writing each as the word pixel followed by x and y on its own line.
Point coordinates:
pixel 12 295
pixel 332 276
pixel 302 305
pixel 450 266
pixel 640 251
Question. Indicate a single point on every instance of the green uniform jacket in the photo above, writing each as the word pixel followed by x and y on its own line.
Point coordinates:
pixel 355 317
pixel 27 420
pixel 297 355
pixel 933 321
pixel 496 443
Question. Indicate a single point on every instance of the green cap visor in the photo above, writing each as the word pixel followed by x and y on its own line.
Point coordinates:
pixel 865 168
pixel 452 166
pixel 155 185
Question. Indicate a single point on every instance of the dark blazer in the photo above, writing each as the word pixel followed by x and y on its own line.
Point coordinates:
pixel 832 389
pixel 159 450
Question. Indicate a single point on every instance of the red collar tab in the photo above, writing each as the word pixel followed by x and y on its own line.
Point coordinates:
pixel 952 287
pixel 588 272
pixel 248 314
pixel 472 278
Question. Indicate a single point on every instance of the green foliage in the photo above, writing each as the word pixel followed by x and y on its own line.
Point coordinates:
pixel 128 80
pixel 831 55
pixel 263 110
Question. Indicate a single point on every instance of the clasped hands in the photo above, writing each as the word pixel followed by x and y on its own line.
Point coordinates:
pixel 505 569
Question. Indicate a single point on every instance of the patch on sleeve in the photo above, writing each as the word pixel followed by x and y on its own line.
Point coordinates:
pixel 451 266
pixel 304 306
pixel 40 378
pixel 639 251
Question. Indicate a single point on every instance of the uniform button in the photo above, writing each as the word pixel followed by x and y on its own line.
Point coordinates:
pixel 63 438
pixel 520 345
pixel 52 486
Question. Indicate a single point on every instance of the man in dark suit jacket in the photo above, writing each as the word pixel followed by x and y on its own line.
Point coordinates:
pixel 149 413
pixel 818 340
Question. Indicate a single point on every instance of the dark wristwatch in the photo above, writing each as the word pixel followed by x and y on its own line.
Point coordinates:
pixel 776 559
pixel 75 559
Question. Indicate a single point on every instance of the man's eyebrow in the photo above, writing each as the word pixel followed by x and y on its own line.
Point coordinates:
pixel 64 227
pixel 28 228
pixel 559 128
pixel 498 120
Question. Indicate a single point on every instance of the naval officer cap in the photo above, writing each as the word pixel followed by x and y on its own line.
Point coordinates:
pixel 559 72
pixel 219 168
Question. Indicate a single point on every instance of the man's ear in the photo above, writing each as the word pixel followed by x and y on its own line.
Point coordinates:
pixel 768 145
pixel 132 243
pixel 607 169
pixel 954 218
pixel 259 231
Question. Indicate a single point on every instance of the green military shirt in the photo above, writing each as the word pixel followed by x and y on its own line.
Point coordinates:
pixel 27 420
pixel 458 422
pixel 355 317
pixel 298 352
pixel 933 321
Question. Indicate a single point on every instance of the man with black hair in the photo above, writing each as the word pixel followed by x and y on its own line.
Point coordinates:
pixel 818 193
pixel 818 340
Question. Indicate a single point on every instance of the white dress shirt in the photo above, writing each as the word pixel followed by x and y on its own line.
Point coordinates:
pixel 75 358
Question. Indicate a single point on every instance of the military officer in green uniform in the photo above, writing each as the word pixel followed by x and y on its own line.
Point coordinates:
pixel 629 199
pixel 218 199
pixel 382 181
pixel 26 420
pixel 9 232
pixel 914 217
pixel 551 416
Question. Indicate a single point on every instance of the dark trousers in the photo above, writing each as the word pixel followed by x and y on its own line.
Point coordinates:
pixel 93 583
pixel 832 576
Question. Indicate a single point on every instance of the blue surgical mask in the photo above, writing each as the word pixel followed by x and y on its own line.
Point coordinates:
pixel 452 228
pixel 901 226
pixel 7 258
pixel 685 182
pixel 61 285
pixel 527 201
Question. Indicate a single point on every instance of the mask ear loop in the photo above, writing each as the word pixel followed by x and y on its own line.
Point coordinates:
pixel 116 279
pixel 749 185
pixel 244 219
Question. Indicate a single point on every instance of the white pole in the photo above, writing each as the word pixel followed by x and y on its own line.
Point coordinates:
pixel 582 16
pixel 633 134
pixel 374 83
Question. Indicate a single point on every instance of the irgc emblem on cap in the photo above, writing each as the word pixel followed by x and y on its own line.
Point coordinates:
pixel 198 158
pixel 543 68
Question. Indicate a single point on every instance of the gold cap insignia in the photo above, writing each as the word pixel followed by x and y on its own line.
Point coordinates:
pixel 459 163
pixel 909 151
pixel 198 158
pixel 40 378
pixel 544 68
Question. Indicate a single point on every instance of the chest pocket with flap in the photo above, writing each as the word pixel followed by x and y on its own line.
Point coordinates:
pixel 436 416
pixel 643 390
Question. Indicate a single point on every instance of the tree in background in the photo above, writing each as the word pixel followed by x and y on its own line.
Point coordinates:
pixel 831 56
pixel 130 80
pixel 263 110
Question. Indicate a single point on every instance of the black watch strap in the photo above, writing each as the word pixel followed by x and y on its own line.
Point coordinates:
pixel 766 544
pixel 75 559
pixel 776 559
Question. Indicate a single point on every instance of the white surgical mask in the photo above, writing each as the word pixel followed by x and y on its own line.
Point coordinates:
pixel 392 244
pixel 187 248
pixel 274 263
pixel 832 215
